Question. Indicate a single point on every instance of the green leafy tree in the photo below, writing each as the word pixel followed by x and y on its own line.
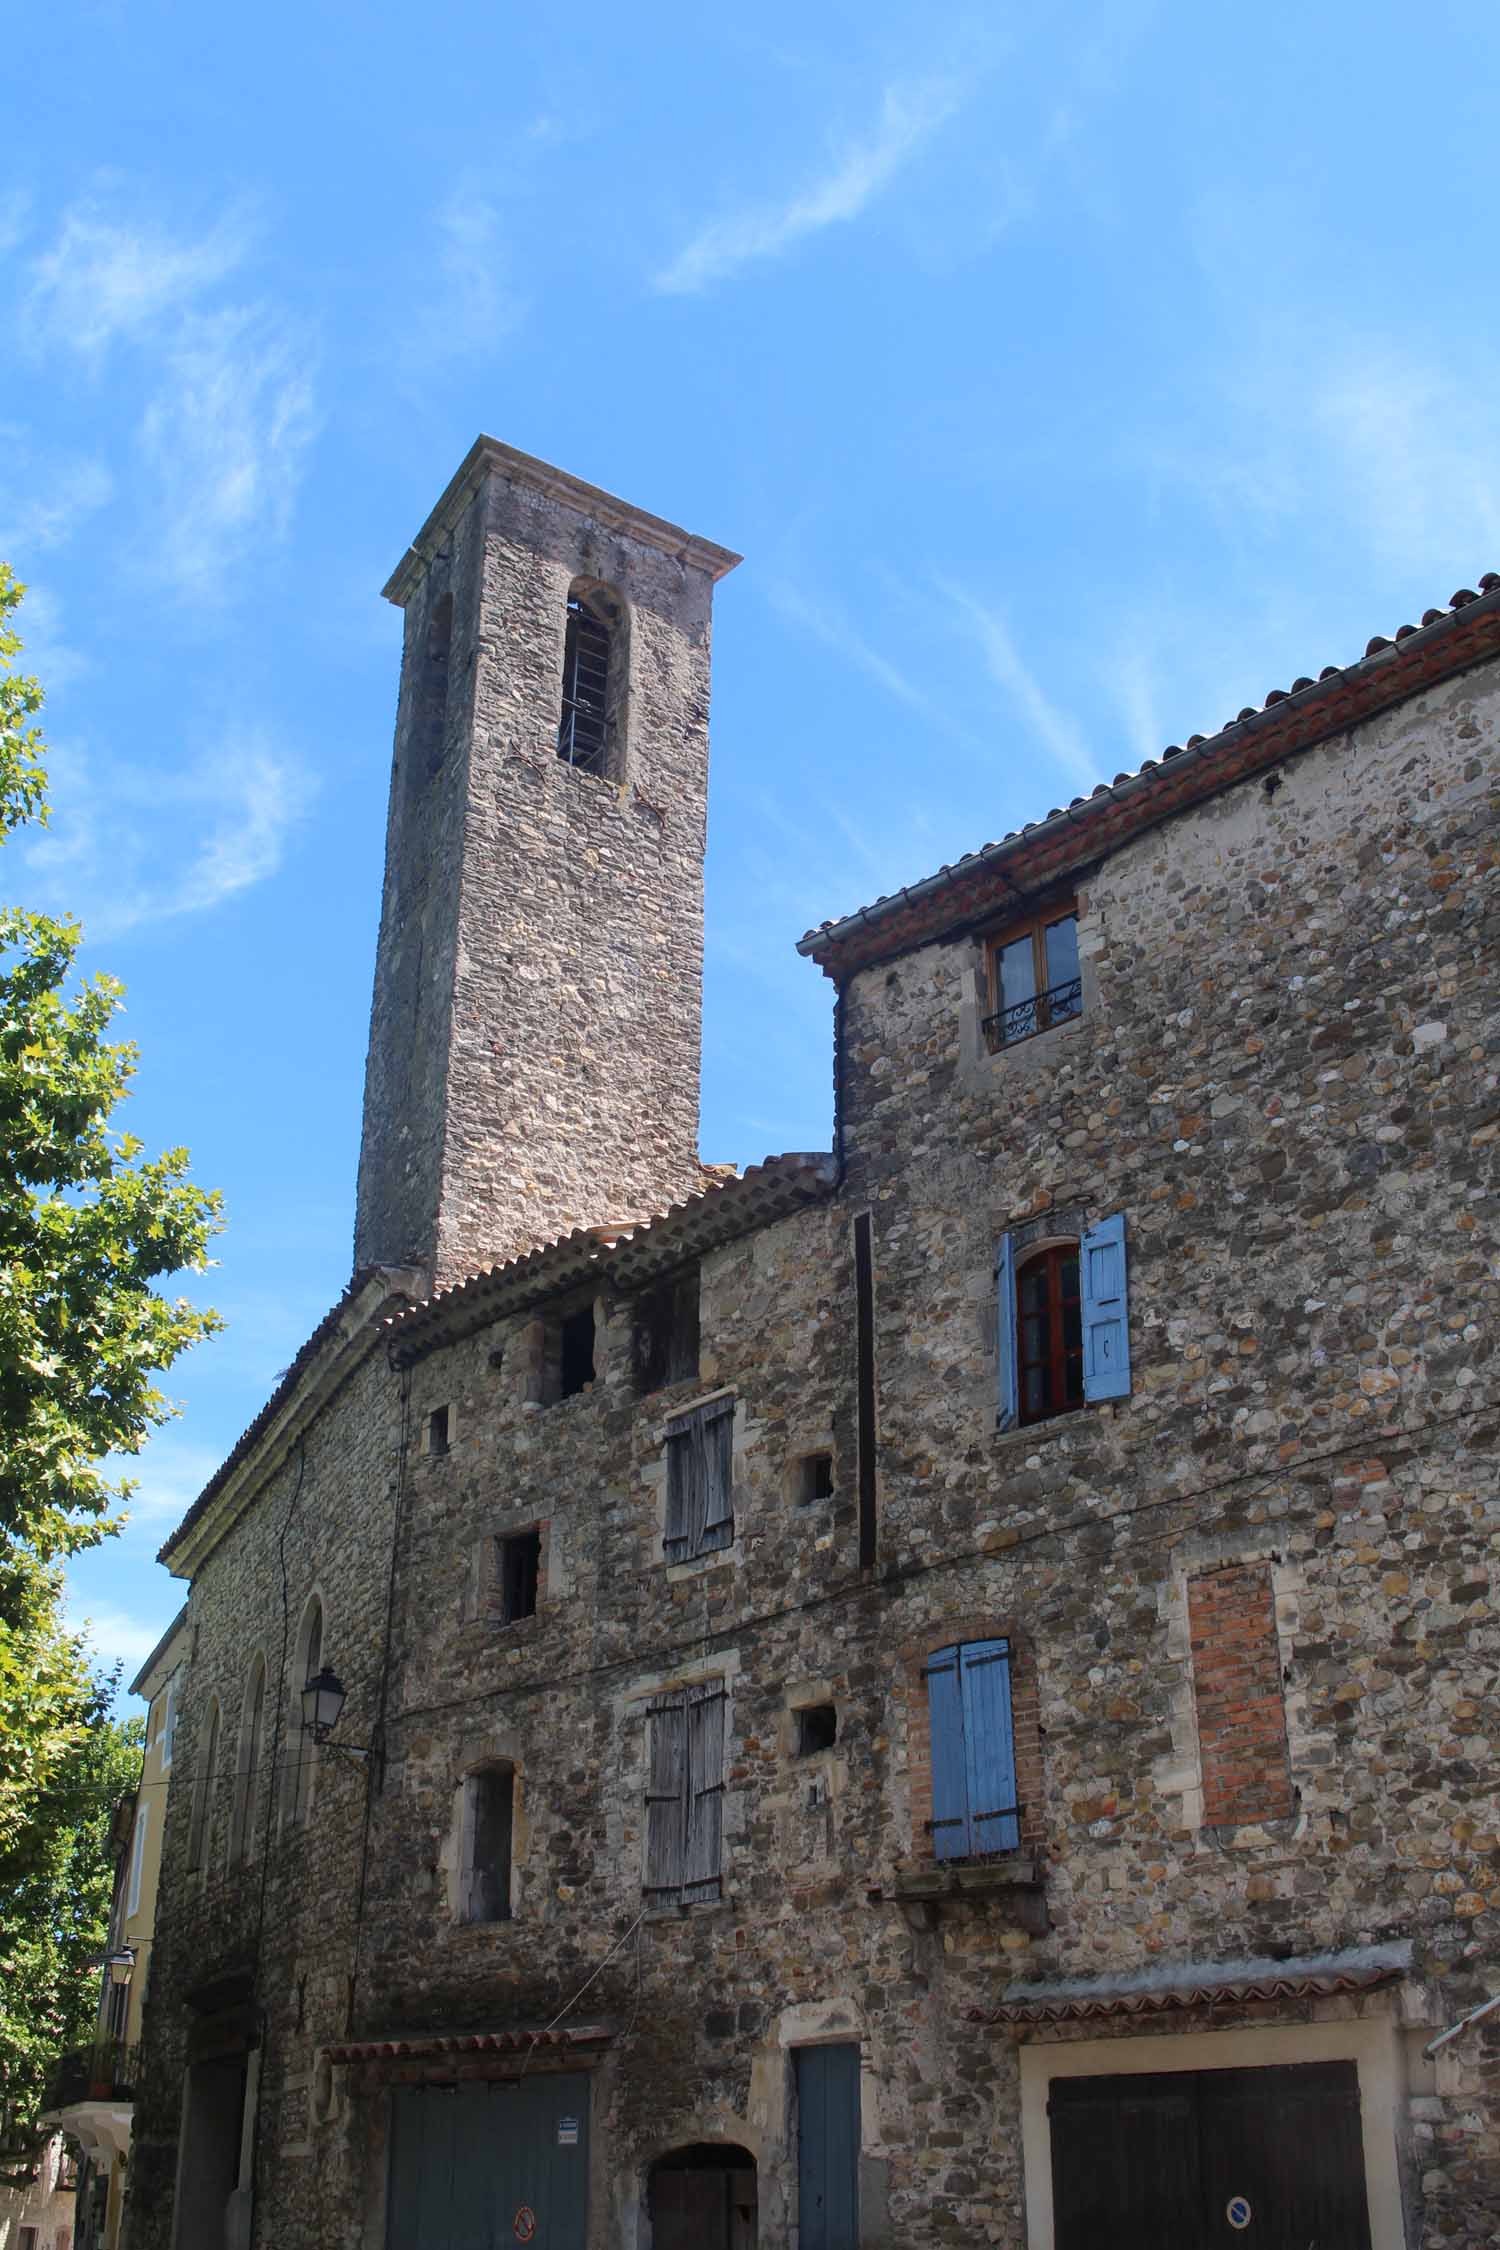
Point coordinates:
pixel 64 1766
pixel 88 1223
pixel 88 1226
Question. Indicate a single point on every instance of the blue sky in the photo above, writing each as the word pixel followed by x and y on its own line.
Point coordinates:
pixel 1068 380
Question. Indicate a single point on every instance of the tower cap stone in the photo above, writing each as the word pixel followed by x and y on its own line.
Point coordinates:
pixel 487 457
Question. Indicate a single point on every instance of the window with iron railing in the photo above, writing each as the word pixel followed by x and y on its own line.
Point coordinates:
pixel 592 667
pixel 1034 976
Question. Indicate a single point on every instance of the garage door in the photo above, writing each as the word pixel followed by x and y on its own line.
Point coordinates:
pixel 483 2167
pixel 1204 2160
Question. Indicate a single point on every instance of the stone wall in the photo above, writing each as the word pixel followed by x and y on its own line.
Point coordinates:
pixel 1285 1078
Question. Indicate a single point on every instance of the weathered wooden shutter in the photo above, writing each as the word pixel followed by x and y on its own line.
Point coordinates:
pixel 685 1497
pixel 1005 1333
pixel 716 1437
pixel 951 1836
pixel 705 1792
pixel 1106 1318
pixel 700 1481
pixel 666 1788
pixel 989 1746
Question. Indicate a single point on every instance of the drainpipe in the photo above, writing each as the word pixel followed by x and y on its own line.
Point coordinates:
pixel 1475 2015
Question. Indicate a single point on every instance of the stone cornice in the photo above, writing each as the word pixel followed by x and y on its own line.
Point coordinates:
pixel 341 1340
pixel 487 457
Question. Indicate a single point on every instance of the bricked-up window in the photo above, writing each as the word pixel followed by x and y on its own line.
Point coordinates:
pixel 432 692
pixel 1034 978
pixel 488 1821
pixel 684 1795
pixel 200 1844
pixel 1063 1323
pixel 700 1481
pixel 518 1561
pixel 973 1751
pixel 665 1332
pixel 1237 1687
pixel 593 661
pixel 243 1827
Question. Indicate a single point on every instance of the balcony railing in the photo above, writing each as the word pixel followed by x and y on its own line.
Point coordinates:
pixel 1040 1013
pixel 105 2072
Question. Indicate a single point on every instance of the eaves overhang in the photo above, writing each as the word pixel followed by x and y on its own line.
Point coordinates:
pixel 997 877
pixel 488 457
pixel 620 1258
pixel 457 2046
pixel 1169 1988
pixel 342 1338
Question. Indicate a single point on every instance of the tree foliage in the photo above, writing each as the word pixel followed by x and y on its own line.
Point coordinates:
pixel 88 1225
pixel 87 1222
pixel 64 1766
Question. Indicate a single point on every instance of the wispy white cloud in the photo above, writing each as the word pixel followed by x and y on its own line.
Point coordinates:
pixel 129 848
pixel 1046 721
pixel 1419 459
pixel 116 1636
pixel 227 383
pixel 44 495
pixel 46 652
pixel 15 210
pixel 473 305
pixel 108 275
pixel 226 437
pixel 910 114
pixel 823 618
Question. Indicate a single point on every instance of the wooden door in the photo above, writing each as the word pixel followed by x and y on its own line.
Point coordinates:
pixel 828 2140
pixel 1267 2159
pixel 474 2166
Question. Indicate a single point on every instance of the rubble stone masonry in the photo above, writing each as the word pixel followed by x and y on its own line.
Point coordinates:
pixel 1286 1077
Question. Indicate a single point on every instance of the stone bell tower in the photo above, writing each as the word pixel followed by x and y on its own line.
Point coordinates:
pixel 535 1033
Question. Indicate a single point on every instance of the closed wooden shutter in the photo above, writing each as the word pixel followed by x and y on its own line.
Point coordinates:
pixel 972 1747
pixel 684 1793
pixel 1105 1308
pixel 951 1838
pixel 989 1746
pixel 700 1481
pixel 705 1791
pixel 666 1785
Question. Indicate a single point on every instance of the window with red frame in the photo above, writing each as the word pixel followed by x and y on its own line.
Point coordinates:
pixel 1049 1333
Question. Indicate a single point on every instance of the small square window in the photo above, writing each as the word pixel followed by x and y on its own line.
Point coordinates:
pixel 812 1479
pixel 817 1728
pixel 1035 980
pixel 519 1563
pixel 438 1425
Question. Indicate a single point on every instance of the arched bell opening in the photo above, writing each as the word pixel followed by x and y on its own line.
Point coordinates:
pixel 703 2197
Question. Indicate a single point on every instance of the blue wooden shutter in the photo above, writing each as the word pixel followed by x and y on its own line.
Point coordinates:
pixel 1005 1333
pixel 1106 1316
pixel 989 1746
pixel 951 1836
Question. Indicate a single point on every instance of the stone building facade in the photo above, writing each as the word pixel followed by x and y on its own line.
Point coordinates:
pixel 942 1692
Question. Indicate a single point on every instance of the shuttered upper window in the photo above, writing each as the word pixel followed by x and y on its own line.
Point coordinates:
pixel 700 1481
pixel 1063 1323
pixel 974 1809
pixel 684 1795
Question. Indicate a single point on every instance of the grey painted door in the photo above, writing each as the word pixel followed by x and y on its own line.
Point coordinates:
pixel 828 2147
pixel 483 2167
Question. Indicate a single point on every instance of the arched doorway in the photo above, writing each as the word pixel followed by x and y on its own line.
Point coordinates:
pixel 703 2198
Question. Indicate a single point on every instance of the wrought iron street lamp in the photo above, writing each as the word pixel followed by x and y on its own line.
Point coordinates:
pixel 322 1702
